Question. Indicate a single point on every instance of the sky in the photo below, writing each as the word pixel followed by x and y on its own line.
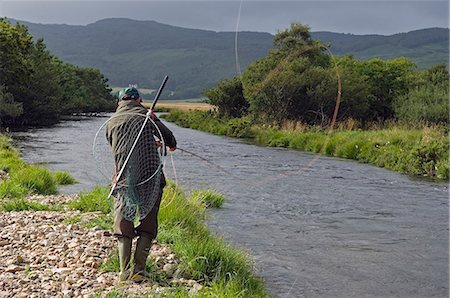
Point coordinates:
pixel 357 16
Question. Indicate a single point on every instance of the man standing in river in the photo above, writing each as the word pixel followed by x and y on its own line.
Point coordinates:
pixel 145 196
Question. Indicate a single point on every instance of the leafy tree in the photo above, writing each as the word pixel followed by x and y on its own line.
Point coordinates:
pixel 8 107
pixel 387 80
pixel 228 97
pixel 427 98
pixel 37 87
pixel 293 82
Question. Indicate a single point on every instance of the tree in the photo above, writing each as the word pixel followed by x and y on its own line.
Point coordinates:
pixel 387 80
pixel 293 82
pixel 228 97
pixel 8 107
pixel 39 86
pixel 427 98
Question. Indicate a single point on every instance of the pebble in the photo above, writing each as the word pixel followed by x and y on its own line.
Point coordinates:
pixel 40 256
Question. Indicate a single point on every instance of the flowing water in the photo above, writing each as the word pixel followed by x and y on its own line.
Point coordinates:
pixel 316 227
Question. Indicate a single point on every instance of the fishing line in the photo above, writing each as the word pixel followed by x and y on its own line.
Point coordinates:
pixel 236 33
pixel 206 160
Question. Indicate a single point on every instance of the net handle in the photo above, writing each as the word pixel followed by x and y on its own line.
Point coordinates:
pixel 147 116
pixel 159 92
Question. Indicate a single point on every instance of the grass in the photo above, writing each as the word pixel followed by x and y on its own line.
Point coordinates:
pixel 169 105
pixel 64 178
pixel 227 271
pixel 173 292
pixel 224 270
pixel 95 200
pixel 102 221
pixel 208 197
pixel 23 180
pixel 22 205
pixel 416 151
pixel 112 264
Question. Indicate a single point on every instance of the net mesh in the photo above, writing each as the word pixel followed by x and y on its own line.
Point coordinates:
pixel 125 145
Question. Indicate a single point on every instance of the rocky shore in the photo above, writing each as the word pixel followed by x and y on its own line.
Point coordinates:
pixel 41 255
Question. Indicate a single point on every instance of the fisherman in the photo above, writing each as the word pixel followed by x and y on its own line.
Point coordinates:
pixel 146 197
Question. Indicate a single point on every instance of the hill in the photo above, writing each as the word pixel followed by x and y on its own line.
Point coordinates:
pixel 426 47
pixel 142 52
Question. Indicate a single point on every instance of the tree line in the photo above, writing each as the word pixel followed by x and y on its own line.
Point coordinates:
pixel 37 88
pixel 298 81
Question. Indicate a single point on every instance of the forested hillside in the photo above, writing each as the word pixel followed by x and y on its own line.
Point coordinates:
pixel 142 52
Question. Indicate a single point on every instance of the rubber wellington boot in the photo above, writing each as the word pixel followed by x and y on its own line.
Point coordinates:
pixel 124 244
pixel 140 259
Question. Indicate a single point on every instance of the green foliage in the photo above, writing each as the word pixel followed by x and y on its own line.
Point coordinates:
pixel 227 96
pixel 277 85
pixel 95 200
pixel 112 264
pixel 426 47
pixel 27 180
pixel 387 79
pixel 8 107
pixel 427 98
pixel 35 87
pixel 199 59
pixel 10 190
pixel 63 178
pixel 22 205
pixel 204 256
pixel 102 221
pixel 35 179
pixel 209 198
pixel 421 152
pixel 416 152
pixel 210 122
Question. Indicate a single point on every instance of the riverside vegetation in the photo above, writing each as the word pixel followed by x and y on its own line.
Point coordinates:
pixel 421 152
pixel 36 87
pixel 390 114
pixel 61 245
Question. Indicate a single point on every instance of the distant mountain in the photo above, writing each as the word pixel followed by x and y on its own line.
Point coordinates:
pixel 142 52
pixel 426 47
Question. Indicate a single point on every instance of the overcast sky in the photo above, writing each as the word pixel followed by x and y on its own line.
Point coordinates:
pixel 358 17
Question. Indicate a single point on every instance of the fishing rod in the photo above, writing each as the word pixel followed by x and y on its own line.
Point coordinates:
pixel 183 150
pixel 159 92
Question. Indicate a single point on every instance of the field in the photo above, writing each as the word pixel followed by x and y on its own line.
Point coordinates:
pixel 182 105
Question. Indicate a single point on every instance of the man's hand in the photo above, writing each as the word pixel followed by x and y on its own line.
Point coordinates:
pixel 172 149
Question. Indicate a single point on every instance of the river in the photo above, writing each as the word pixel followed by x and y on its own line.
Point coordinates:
pixel 316 227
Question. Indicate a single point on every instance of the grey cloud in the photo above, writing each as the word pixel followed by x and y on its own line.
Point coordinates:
pixel 359 17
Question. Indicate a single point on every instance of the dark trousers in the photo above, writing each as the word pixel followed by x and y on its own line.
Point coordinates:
pixel 148 227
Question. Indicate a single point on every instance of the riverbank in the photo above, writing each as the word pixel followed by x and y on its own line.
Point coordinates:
pixel 61 246
pixel 418 152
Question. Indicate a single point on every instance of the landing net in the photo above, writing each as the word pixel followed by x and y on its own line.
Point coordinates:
pixel 129 158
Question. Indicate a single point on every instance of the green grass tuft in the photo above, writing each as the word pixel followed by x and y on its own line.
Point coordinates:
pixel 22 205
pixel 35 179
pixel 209 198
pixel 95 200
pixel 64 178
